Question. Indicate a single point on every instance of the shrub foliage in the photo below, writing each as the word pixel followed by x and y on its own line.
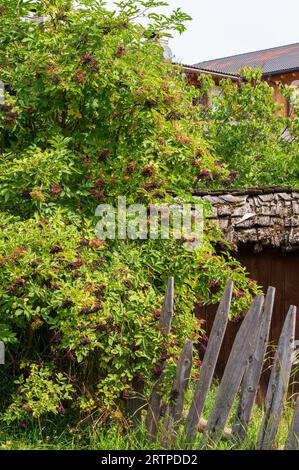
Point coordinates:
pixel 253 135
pixel 93 111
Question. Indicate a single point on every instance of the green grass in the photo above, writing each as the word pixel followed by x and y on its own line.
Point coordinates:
pixel 61 435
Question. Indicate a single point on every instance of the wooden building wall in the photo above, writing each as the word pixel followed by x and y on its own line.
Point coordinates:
pixel 285 79
pixel 274 81
pixel 271 267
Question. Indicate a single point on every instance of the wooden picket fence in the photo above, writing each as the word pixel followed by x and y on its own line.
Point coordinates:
pixel 242 374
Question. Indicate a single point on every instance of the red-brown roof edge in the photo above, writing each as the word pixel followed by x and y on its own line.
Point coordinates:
pixel 193 68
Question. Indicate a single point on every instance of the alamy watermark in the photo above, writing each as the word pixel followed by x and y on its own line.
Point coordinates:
pixel 139 222
pixel 295 353
pixel 2 353
pixel 1 92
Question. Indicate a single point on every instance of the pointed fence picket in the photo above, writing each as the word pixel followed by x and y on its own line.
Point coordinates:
pixel 209 363
pixel 278 384
pixel 242 349
pixel 155 402
pixel 292 442
pixel 253 373
pixel 175 408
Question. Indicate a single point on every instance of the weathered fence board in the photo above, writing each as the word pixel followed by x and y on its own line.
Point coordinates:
pixel 278 384
pixel 253 372
pixel 208 364
pixel 202 426
pixel 167 309
pixel 155 402
pixel 174 410
pixel 238 360
pixel 292 442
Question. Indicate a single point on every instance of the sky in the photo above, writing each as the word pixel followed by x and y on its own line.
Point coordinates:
pixel 226 27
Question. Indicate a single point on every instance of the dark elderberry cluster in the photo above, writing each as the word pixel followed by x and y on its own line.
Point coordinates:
pixel 85 341
pixel 131 166
pixel 124 394
pixel 61 410
pixel 70 356
pixel 98 194
pixel 151 104
pixel 83 242
pixel 99 292
pixel 57 248
pixel 205 174
pixel 67 304
pixel 9 89
pixel 116 328
pixel 56 189
pixel 75 265
pixel 25 193
pixel 164 356
pixel 237 319
pixel 91 62
pixel 214 286
pixel 80 77
pixel 106 30
pixel 128 284
pixel 121 50
pixel 16 286
pixel 99 183
pixel 76 274
pixel 81 326
pixel 147 170
pixel 36 263
pixel 23 424
pixel 156 315
pixel 159 195
pixel 239 293
pixel 111 324
pixel 85 311
pixel 100 327
pixel 203 343
pixel 174 116
pixel 56 338
pixel 96 308
pixel 104 154
pixel 51 285
pixel 174 394
pixel 157 372
pixel 233 175
pixel 11 116
pixel 150 186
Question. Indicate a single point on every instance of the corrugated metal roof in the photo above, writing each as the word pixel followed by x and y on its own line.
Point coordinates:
pixel 271 61
pixel 192 68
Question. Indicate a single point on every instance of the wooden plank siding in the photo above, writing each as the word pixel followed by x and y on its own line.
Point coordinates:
pixel 271 267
